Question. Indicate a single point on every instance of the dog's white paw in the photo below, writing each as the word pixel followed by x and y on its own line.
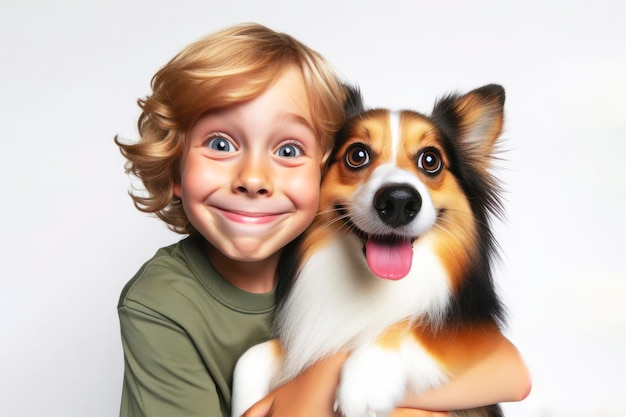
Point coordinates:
pixel 373 382
pixel 254 375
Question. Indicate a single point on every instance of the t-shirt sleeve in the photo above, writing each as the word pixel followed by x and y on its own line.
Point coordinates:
pixel 164 375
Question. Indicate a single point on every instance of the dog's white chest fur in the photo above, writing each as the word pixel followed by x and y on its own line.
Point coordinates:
pixel 337 303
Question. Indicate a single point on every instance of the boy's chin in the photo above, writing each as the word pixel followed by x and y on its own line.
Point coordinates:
pixel 250 249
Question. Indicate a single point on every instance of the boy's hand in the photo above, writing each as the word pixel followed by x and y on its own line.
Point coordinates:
pixel 312 393
pixel 291 400
pixel 280 403
pixel 412 412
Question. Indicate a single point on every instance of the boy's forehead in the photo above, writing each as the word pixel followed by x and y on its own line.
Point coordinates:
pixel 301 92
pixel 285 100
pixel 292 79
pixel 289 92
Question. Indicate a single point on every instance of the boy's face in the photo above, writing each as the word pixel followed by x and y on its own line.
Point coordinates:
pixel 251 173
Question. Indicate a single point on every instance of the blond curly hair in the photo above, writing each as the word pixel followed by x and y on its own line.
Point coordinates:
pixel 222 69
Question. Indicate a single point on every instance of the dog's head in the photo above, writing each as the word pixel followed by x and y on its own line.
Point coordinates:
pixel 397 179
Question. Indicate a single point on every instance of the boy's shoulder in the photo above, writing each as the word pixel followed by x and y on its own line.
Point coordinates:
pixel 168 268
pixel 180 278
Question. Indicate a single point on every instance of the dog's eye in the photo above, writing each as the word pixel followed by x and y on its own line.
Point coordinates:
pixel 357 156
pixel 429 161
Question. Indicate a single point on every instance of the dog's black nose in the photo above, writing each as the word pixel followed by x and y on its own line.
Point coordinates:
pixel 397 205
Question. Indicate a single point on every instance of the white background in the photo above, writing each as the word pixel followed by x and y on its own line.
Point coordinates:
pixel 70 73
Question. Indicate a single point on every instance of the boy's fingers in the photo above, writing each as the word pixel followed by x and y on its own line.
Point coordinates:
pixel 260 409
pixel 411 412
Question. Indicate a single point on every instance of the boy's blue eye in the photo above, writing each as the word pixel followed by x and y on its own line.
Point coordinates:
pixel 289 151
pixel 220 143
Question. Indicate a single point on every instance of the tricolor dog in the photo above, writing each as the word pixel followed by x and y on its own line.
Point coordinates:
pixel 397 266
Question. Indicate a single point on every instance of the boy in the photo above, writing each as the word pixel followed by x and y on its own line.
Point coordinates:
pixel 233 140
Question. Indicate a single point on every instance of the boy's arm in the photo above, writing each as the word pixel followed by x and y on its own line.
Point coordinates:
pixel 500 376
pixel 312 393
pixel 163 373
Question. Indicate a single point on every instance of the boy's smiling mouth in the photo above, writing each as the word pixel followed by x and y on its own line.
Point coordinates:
pixel 249 217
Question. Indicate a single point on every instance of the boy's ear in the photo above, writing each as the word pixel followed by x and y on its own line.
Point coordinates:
pixel 177 190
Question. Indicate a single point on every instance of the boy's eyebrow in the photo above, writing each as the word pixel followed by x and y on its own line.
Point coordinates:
pixel 297 118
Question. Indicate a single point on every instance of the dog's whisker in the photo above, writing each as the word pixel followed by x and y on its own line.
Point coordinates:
pixel 336 220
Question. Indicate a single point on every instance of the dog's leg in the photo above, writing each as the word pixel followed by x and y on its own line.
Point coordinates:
pixel 376 377
pixel 254 375
pixel 373 381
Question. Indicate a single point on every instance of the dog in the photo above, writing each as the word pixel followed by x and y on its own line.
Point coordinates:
pixel 397 265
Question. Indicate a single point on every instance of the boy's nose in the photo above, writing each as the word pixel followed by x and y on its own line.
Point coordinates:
pixel 254 177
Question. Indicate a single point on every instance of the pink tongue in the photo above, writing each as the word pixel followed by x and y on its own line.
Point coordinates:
pixel 389 260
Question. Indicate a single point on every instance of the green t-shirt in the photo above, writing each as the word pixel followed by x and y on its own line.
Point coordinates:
pixel 183 328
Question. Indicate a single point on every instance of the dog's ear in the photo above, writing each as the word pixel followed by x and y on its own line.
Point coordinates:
pixel 474 119
pixel 354 101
